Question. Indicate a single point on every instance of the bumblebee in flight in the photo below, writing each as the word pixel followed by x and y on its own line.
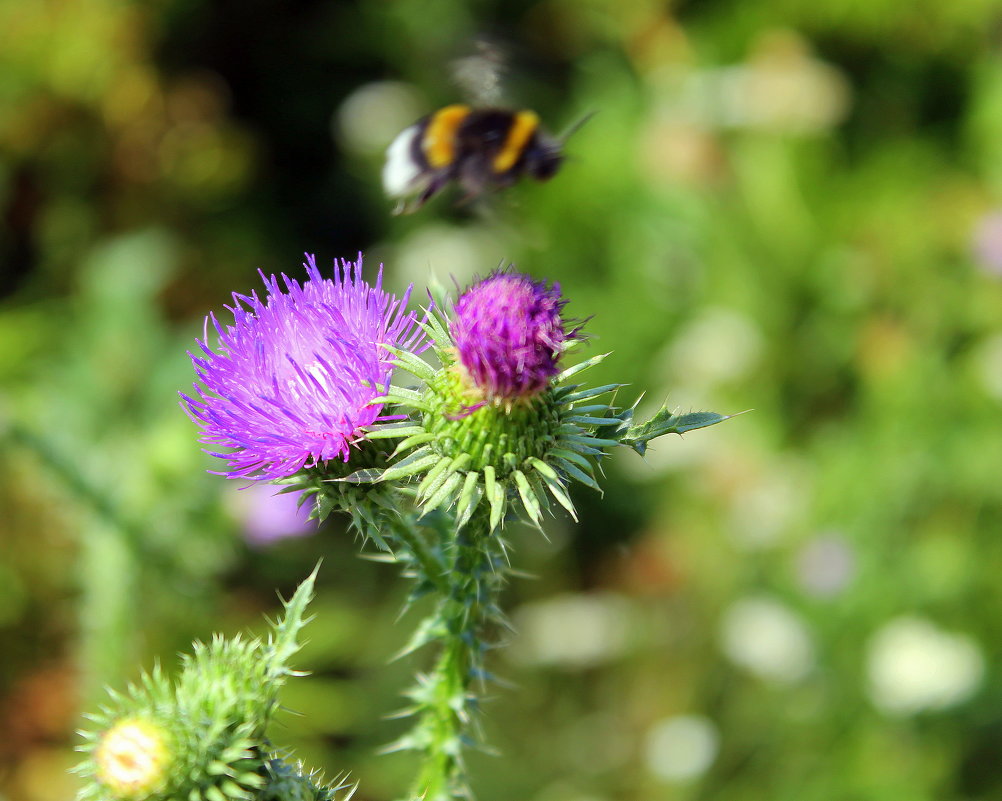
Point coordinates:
pixel 478 148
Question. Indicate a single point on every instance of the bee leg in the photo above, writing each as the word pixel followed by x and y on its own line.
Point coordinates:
pixel 474 176
pixel 434 187
pixel 469 197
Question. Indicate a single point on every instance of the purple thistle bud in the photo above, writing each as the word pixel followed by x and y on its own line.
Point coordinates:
pixel 290 381
pixel 509 335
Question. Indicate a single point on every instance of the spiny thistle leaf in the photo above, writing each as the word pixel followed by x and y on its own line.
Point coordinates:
pixel 469 497
pixel 543 468
pixel 366 475
pixel 435 477
pixel 284 643
pixel 576 473
pixel 434 328
pixel 291 783
pixel 395 394
pixel 411 441
pixel 429 630
pixel 666 422
pixel 495 496
pixel 573 456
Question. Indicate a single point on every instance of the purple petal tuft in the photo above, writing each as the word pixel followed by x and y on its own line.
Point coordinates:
pixel 509 334
pixel 290 381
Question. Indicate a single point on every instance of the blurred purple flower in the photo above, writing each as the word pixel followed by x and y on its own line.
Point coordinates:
pixel 268 515
pixel 986 243
pixel 290 382
pixel 509 334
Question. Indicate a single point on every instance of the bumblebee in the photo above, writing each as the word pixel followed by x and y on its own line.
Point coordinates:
pixel 478 148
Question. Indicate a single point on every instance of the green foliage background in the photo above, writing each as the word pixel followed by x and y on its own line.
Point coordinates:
pixel 775 208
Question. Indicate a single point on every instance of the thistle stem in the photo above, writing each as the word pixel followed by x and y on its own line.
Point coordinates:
pixel 444 698
pixel 432 567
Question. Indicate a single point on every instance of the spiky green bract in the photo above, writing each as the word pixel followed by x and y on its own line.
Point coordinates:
pixel 467 451
pixel 285 782
pixel 378 512
pixel 339 486
pixel 208 727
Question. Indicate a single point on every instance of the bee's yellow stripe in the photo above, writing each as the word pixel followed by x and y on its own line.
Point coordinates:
pixel 523 126
pixel 439 143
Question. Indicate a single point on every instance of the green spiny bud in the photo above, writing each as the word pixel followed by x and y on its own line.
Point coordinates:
pixel 203 737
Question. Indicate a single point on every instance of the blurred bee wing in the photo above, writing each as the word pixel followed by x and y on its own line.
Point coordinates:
pixel 479 76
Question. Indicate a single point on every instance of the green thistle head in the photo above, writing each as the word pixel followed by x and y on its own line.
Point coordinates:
pixel 497 422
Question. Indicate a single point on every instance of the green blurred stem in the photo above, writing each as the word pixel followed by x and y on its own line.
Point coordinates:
pixel 445 698
pixel 110 550
pixel 76 482
pixel 107 608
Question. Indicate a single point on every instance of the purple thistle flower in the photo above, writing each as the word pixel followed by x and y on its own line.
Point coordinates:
pixel 290 383
pixel 268 515
pixel 509 334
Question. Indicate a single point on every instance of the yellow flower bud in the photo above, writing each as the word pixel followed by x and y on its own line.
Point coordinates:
pixel 132 758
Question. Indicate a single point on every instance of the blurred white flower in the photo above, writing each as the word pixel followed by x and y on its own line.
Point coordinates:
pixel 825 565
pixel 780 88
pixel 768 639
pixel 986 243
pixel 784 89
pixel 573 631
pixel 915 666
pixel 449 253
pixel 371 116
pixel 681 748
pixel 719 345
pixel 763 511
